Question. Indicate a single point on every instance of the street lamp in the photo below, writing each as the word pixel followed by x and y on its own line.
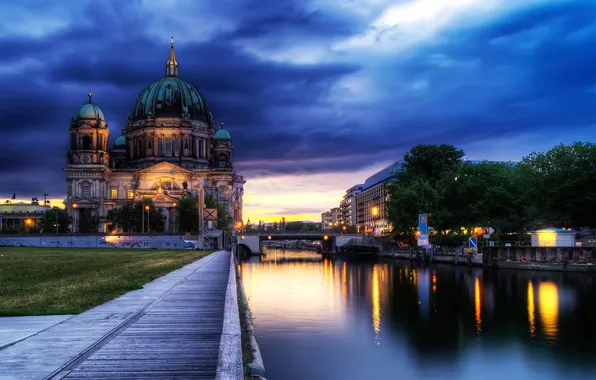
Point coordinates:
pixel 45 211
pixel 148 216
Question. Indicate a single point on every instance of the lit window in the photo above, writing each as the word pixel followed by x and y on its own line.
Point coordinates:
pixel 131 194
pixel 114 193
pixel 86 191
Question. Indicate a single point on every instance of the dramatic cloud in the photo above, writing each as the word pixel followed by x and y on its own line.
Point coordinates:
pixel 304 87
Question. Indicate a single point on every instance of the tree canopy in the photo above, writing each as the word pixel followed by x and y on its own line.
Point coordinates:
pixel 556 188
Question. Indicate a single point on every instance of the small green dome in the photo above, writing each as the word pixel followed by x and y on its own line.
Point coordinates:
pixel 120 142
pixel 90 111
pixel 222 134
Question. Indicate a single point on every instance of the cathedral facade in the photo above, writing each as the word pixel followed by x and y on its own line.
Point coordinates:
pixel 170 147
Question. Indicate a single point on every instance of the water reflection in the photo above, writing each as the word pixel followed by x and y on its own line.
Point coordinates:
pixel 548 301
pixel 531 309
pixel 477 306
pixel 313 320
pixel 376 304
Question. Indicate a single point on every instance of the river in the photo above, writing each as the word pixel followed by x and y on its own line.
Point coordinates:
pixel 319 318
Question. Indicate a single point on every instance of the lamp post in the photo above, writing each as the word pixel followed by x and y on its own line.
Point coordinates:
pixel 45 212
pixel 148 215
pixel 74 219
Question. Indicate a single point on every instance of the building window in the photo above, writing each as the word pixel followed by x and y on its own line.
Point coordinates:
pixel 130 194
pixel 114 192
pixel 159 147
pixel 168 147
pixel 86 191
pixel 87 142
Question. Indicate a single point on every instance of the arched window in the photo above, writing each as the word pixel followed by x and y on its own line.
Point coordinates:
pixel 223 160
pixel 86 142
pixel 73 141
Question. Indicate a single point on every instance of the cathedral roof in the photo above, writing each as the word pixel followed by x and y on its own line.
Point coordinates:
pixel 120 142
pixel 89 111
pixel 171 96
pixel 222 134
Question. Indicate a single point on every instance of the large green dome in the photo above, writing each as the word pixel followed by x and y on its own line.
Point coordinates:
pixel 172 96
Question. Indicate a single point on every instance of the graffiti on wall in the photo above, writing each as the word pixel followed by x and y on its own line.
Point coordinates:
pixel 111 241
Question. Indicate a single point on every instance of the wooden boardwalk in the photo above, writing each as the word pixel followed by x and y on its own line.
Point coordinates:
pixel 176 337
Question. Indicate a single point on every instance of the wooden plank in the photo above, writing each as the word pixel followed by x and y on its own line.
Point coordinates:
pixel 179 337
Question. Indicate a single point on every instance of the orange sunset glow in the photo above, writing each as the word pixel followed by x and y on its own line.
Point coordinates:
pixel 299 197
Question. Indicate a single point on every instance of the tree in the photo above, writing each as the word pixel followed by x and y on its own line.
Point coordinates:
pixel 55 217
pixel 430 162
pixel 133 217
pixel 87 221
pixel 560 185
pixel 188 214
pixel 406 202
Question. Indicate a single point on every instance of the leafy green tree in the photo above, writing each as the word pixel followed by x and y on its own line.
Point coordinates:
pixel 406 202
pixel 55 217
pixel 133 217
pixel 188 214
pixel 430 162
pixel 560 185
pixel 88 222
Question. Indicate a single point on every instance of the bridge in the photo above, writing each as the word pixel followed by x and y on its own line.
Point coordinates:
pixel 251 243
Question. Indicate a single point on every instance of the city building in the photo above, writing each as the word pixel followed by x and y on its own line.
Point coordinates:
pixel 170 147
pixel 19 217
pixel 330 218
pixel 370 202
pixel 347 207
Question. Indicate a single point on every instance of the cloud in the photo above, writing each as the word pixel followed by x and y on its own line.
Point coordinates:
pixel 304 87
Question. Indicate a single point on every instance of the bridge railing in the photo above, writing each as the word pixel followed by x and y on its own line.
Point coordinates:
pixel 294 233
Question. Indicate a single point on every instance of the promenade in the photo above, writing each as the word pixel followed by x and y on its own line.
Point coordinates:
pixel 182 325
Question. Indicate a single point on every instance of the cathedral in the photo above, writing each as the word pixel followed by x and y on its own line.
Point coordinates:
pixel 170 147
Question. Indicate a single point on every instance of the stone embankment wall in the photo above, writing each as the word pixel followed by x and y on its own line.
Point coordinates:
pixel 544 254
pixel 95 241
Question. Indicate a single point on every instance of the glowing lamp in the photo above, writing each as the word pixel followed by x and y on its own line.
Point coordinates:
pixel 325 237
pixel 269 237
pixel 242 238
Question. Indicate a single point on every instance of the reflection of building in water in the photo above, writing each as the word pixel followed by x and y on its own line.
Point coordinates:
pixel 423 286
pixel 376 303
pixel 531 309
pixel 548 303
pixel 478 305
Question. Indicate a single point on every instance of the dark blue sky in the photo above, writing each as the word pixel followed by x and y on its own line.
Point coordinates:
pixel 304 87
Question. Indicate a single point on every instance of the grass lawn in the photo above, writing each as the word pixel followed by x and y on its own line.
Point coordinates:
pixel 42 281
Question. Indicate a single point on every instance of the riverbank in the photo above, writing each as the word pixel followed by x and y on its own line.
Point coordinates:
pixel 251 354
pixel 54 281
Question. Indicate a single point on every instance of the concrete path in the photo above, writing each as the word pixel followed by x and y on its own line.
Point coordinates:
pixel 14 329
pixel 169 329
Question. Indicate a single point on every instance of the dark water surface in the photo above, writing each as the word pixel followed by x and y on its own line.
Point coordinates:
pixel 332 319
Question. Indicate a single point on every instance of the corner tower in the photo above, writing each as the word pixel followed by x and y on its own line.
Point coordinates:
pixel 222 150
pixel 88 168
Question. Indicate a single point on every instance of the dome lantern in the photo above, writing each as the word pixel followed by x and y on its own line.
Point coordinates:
pixel 172 64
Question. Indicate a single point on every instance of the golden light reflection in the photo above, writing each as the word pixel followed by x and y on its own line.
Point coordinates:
pixel 531 309
pixel 344 289
pixel 478 306
pixel 376 303
pixel 548 303
pixel 434 282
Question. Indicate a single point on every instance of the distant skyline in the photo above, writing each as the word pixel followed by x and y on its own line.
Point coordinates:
pixel 316 95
